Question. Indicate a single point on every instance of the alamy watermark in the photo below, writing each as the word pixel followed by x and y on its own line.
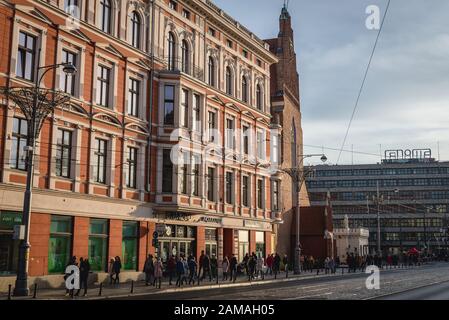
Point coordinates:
pixel 373 280
pixel 372 22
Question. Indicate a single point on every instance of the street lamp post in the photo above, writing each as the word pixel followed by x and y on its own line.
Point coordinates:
pixel 378 200
pixel 298 175
pixel 36 104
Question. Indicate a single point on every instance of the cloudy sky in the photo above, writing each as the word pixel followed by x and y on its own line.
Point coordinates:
pixel 405 102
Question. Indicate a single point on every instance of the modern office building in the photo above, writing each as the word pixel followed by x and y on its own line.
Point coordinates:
pixel 168 129
pixel 409 191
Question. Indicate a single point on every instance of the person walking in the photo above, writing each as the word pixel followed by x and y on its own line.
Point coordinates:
pixel 233 268
pixel 158 271
pixel 200 264
pixel 148 269
pixel 270 264
pixel 214 267
pixel 111 271
pixel 117 269
pixel 84 276
pixel 225 268
pixel 179 271
pixel 245 263
pixel 276 264
pixel 259 266
pixel 171 268
pixel 252 261
pixel 186 270
pixel 206 268
pixel 285 262
pixel 192 269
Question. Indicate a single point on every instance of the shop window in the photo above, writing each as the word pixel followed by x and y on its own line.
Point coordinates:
pixel 98 241
pixel 9 248
pixel 129 245
pixel 60 245
pixel 260 244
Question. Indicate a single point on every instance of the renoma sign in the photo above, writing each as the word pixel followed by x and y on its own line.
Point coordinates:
pixel 408 154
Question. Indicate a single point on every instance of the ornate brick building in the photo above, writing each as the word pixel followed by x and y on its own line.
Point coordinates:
pixel 285 108
pixel 167 129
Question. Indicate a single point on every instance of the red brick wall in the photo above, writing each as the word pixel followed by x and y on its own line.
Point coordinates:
pixel 81 237
pixel 268 244
pixel 228 242
pixel 115 238
pixel 143 243
pixel 151 229
pixel 39 239
pixel 200 241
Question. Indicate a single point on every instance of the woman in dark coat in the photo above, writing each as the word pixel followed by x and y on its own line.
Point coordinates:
pixel 117 267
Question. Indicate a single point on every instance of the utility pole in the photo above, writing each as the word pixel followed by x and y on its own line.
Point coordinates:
pixel 378 200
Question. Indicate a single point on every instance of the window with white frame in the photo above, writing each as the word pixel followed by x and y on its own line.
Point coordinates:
pixel 19 141
pixel 210 184
pixel 246 136
pixel 100 160
pixel 261 144
pixel 103 85
pixel 275 195
pixel 68 80
pixel 131 161
pixel 169 105
pixel 229 176
pixel 63 153
pixel 259 97
pixel 184 115
pixel 183 174
pixel 185 56
pixel 230 133
pixel 133 97
pixel 245 90
pixel 211 71
pixel 167 171
pixel 196 162
pixel 275 149
pixel 212 123
pixel 245 191
pixel 260 192
pixel 135 26
pixel 196 112
pixel 106 15
pixel 26 56
pixel 171 51
pixel 229 81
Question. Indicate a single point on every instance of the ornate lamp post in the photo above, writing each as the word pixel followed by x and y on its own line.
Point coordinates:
pixel 298 175
pixel 36 104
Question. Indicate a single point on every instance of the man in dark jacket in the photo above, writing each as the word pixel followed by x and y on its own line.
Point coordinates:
pixel 206 267
pixel 192 269
pixel 214 266
pixel 84 276
pixel 233 268
pixel 200 263
pixel 179 271
pixel 148 269
pixel 171 268
pixel 285 262
pixel 276 263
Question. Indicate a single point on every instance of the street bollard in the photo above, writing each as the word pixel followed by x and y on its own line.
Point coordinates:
pixel 132 286
pixel 101 289
pixel 9 292
pixel 35 291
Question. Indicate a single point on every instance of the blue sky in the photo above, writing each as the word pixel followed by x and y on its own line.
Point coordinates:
pixel 405 103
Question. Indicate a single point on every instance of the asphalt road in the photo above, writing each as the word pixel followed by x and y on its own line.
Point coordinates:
pixel 394 284
pixel 438 291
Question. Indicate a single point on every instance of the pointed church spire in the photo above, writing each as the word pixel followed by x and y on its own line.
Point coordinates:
pixel 284 12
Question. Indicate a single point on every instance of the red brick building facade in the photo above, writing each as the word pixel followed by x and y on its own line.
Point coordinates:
pixel 157 82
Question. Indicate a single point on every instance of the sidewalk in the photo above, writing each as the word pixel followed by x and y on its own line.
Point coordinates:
pixel 130 289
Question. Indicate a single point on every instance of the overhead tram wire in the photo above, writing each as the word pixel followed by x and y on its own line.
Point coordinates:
pixel 363 82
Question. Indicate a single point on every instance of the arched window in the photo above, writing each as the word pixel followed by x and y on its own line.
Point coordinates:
pixel 135 29
pixel 211 72
pixel 171 51
pixel 228 81
pixel 244 89
pixel 106 10
pixel 259 97
pixel 185 56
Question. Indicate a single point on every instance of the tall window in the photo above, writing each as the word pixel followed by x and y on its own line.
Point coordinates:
pixel 183 173
pixel 246 134
pixel 171 52
pixel 106 10
pixel 167 172
pixel 103 82
pixel 261 144
pixel 211 72
pixel 229 178
pixel 230 134
pixel 260 193
pixel 135 29
pixel 63 153
pixel 169 105
pixel 245 191
pixel 98 243
pixel 185 56
pixel 244 89
pixel 184 116
pixel 26 56
pixel 70 6
pixel 60 244
pixel 210 184
pixel 275 149
pixel 100 155
pixel 196 175
pixel 173 5
pixel 228 81
pixel 19 141
pixel 129 245
pixel 276 195
pixel 133 97
pixel 211 125
pixel 196 125
pixel 67 80
pixel 131 176
pixel 259 97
